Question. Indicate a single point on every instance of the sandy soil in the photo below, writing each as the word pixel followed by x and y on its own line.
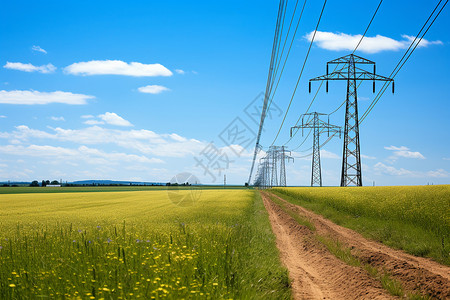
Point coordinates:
pixel 317 274
pixel 314 272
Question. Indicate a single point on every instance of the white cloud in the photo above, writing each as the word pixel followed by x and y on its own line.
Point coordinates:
pixel 328 154
pixel 87 116
pixel 36 97
pixel 446 158
pixel 367 156
pixel 410 154
pixel 153 89
pixel 177 138
pixel 38 49
pixel 394 148
pixel 49 68
pixel 439 173
pixel 82 153
pixel 2 117
pixel 57 118
pixel 403 152
pixel 341 41
pixel 117 67
pixel 114 119
pixel 93 122
pixel 389 170
pixel 423 42
pixel 143 141
pixel 179 71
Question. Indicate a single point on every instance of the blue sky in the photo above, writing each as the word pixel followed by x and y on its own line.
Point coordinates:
pixel 144 90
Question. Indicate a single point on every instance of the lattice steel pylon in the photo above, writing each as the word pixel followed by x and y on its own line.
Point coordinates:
pixel 260 178
pixel 283 157
pixel 273 152
pixel 351 158
pixel 267 175
pixel 319 127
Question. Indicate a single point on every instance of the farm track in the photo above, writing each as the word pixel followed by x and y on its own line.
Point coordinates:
pixel 415 273
pixel 315 273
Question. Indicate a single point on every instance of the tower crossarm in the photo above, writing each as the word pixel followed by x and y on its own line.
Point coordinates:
pixel 317 123
pixel 359 75
pixel 347 58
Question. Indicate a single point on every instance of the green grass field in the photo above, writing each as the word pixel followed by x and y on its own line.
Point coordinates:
pixel 84 189
pixel 412 218
pixel 138 244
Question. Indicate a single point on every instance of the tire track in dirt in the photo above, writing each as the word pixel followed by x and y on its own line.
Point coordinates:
pixel 415 273
pixel 315 273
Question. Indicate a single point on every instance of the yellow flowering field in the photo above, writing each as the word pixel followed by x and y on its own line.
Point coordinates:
pixel 137 244
pixel 413 218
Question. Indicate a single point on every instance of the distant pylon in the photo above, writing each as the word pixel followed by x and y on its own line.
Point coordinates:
pixel 316 174
pixel 351 158
pixel 267 174
pixel 283 158
pixel 319 127
pixel 274 155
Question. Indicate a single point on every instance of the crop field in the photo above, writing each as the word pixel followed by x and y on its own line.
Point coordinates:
pixel 138 244
pixel 84 189
pixel 412 218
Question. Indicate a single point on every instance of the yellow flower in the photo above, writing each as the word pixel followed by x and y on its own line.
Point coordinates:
pixel 12 285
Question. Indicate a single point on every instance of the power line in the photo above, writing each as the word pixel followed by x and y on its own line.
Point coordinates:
pixel 285 40
pixel 281 8
pixel 301 72
pixel 278 57
pixel 307 110
pixel 402 62
pixel 320 86
pixel 317 124
pixel 368 26
pixel 304 140
pixel 343 102
pixel 323 144
pixel 289 51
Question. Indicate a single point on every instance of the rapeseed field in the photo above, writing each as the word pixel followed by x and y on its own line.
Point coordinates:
pixel 126 245
pixel 413 218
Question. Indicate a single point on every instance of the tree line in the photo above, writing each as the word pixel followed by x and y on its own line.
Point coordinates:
pixel 44 183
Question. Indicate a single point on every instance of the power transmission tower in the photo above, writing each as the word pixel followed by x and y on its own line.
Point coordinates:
pixel 283 158
pixel 319 127
pixel 267 175
pixel 351 158
pixel 258 178
pixel 264 174
pixel 273 152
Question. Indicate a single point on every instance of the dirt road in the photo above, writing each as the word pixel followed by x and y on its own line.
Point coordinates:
pixel 317 274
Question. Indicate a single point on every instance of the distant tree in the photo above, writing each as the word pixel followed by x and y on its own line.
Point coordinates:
pixel 34 183
pixel 54 182
pixel 47 182
pixel 43 183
